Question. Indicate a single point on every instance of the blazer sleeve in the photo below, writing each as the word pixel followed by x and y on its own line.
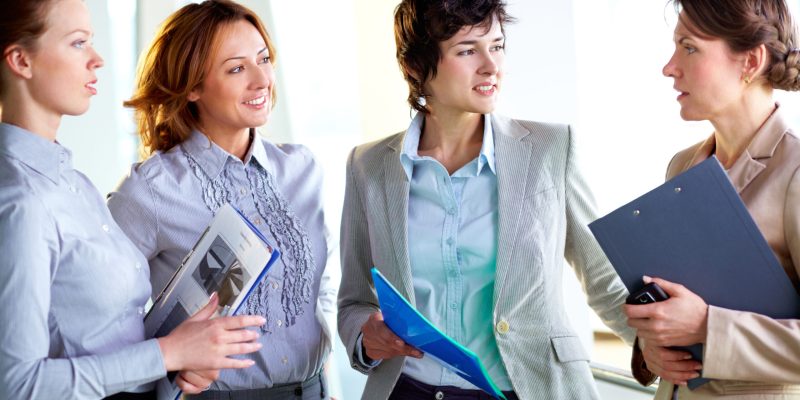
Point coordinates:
pixel 357 299
pixel 599 280
pixel 762 349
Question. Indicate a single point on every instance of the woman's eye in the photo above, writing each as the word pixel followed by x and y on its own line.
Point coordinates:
pixel 466 52
pixel 264 60
pixel 236 70
pixel 689 49
pixel 79 44
pixel 499 47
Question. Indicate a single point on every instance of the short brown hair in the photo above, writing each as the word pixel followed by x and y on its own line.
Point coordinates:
pixel 746 24
pixel 21 23
pixel 176 64
pixel 419 26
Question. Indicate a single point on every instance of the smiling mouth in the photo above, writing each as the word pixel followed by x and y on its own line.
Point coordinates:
pixel 485 89
pixel 91 87
pixel 257 102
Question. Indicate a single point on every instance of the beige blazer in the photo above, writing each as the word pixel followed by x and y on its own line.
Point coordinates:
pixel 544 208
pixel 753 356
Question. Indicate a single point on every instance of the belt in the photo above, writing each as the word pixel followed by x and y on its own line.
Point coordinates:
pixel 410 388
pixel 151 395
pixel 315 383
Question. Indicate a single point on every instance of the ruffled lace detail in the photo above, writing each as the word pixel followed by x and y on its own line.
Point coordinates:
pixel 299 267
pixel 296 251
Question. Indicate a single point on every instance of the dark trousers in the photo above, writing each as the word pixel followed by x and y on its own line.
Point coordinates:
pixel 408 388
pixel 314 388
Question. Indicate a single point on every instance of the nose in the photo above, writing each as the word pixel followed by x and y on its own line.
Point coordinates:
pixel 670 70
pixel 490 65
pixel 263 76
pixel 96 61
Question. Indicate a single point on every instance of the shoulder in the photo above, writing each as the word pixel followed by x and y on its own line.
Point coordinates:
pixel 144 177
pixel 372 154
pixel 292 158
pixel 682 159
pixel 527 131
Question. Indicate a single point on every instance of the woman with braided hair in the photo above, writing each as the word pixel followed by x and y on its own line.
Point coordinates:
pixel 730 55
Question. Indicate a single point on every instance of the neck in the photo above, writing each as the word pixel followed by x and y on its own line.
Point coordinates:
pixel 235 142
pixel 453 139
pixel 735 130
pixel 21 111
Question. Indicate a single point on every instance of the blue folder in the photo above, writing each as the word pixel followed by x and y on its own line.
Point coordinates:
pixel 695 230
pixel 408 324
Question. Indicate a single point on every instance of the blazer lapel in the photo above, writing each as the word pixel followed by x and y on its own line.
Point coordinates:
pixel 763 146
pixel 512 160
pixel 396 190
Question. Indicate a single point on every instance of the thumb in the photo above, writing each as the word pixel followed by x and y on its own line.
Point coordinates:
pixel 378 316
pixel 672 289
pixel 208 310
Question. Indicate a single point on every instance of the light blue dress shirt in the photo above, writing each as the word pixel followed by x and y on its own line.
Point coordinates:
pixel 452 245
pixel 165 203
pixel 72 286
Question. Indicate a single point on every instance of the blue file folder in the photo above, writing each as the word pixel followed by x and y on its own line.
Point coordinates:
pixel 408 324
pixel 695 230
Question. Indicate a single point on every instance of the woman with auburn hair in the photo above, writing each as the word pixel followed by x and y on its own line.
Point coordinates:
pixel 206 83
pixel 470 215
pixel 71 283
pixel 725 67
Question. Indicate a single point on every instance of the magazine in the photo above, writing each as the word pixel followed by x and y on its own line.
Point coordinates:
pixel 230 258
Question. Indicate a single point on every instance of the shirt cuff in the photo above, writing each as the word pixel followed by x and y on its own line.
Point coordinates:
pixel 361 355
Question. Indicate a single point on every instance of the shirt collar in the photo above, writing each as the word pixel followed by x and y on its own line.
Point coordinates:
pixel 48 158
pixel 212 158
pixel 410 152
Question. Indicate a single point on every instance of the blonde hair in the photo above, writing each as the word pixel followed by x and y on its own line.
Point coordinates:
pixel 175 65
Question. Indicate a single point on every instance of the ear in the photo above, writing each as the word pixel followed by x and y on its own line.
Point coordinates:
pixel 194 95
pixel 18 61
pixel 755 61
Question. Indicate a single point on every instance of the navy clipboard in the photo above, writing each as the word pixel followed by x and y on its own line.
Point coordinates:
pixel 695 230
pixel 408 324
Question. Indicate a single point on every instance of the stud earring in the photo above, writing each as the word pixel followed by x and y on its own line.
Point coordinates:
pixel 747 79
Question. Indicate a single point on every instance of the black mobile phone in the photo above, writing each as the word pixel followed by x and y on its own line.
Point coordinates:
pixel 650 293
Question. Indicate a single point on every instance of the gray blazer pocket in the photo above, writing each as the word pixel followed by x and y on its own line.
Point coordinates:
pixel 569 348
pixel 541 199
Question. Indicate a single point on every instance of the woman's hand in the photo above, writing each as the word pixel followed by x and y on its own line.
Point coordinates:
pixel 680 320
pixel 380 343
pixel 202 344
pixel 194 382
pixel 674 366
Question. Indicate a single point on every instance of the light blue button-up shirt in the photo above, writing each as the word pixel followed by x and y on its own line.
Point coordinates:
pixel 452 242
pixel 166 202
pixel 72 286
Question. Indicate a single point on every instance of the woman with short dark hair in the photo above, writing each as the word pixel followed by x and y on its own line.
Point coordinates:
pixel 470 215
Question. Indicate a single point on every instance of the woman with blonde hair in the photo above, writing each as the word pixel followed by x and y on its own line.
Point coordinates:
pixel 72 285
pixel 206 83
pixel 725 67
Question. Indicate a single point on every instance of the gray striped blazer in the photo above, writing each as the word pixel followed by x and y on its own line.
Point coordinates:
pixel 544 208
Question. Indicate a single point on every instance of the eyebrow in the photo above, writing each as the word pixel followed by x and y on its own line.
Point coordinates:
pixel 89 33
pixel 471 42
pixel 243 57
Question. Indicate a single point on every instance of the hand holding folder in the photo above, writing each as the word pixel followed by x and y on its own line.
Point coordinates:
pixel 695 230
pixel 408 324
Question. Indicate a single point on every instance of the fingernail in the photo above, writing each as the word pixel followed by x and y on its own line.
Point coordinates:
pixel 251 362
pixel 687 357
pixel 398 342
pixel 646 279
pixel 695 376
pixel 213 296
pixel 262 320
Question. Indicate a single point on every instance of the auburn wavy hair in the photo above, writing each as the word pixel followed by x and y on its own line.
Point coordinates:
pixel 176 64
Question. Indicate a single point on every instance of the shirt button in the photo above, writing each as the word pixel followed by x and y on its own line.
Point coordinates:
pixel 503 327
pixel 439 395
pixel 73 189
pixel 105 228
pixel 285 360
pixel 450 241
pixel 280 323
pixel 140 310
pixel 274 285
pixel 453 306
pixel 243 191
pixel 257 221
pixel 451 210
pixel 138 265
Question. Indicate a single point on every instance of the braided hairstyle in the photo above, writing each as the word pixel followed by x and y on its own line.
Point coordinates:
pixel 746 24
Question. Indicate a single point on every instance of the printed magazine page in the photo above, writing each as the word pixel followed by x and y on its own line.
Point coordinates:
pixel 230 258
